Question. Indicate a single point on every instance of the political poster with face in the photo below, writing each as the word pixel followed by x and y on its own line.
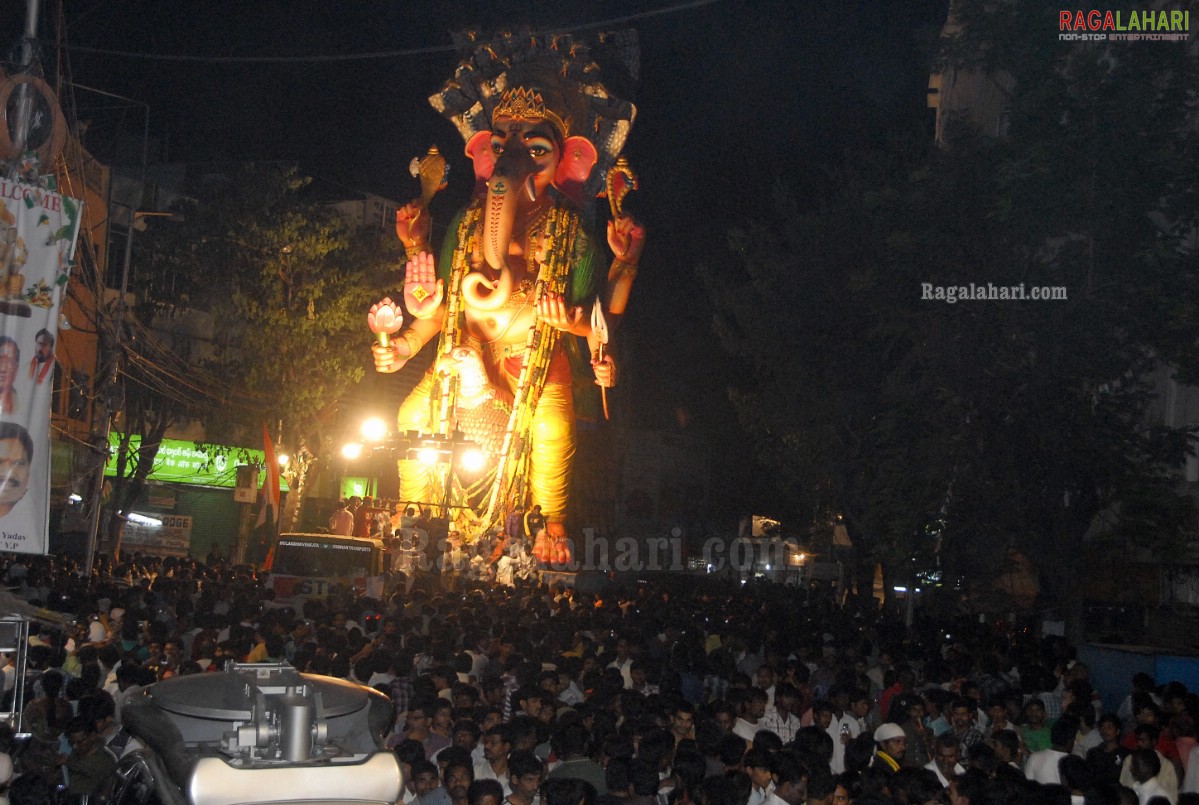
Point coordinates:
pixel 38 232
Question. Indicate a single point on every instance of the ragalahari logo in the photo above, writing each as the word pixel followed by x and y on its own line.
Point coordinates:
pixel 1160 25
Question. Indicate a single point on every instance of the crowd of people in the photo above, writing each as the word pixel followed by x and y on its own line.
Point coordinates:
pixel 382 518
pixel 503 556
pixel 670 690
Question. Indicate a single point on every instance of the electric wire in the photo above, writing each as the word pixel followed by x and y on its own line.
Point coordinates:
pixel 67 435
pixel 385 54
pixel 189 376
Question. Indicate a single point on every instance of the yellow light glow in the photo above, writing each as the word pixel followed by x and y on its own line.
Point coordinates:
pixel 374 429
pixel 351 451
pixel 472 459
pixel 427 455
pixel 283 458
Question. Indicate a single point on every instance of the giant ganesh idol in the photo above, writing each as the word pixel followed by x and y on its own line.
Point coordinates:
pixel 515 301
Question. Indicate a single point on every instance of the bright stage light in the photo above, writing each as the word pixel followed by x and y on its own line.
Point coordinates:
pixel 472 459
pixel 374 429
pixel 351 451
pixel 427 456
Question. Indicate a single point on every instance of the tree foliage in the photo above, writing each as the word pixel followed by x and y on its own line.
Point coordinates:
pixel 844 399
pixel 287 282
pixel 984 426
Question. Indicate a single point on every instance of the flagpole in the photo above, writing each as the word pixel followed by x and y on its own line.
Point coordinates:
pixel 270 496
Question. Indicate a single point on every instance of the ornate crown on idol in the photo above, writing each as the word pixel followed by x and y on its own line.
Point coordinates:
pixel 551 77
pixel 519 103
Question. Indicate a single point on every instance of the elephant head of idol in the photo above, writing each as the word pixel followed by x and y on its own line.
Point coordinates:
pixel 528 150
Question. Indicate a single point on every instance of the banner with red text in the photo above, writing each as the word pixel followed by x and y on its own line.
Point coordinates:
pixel 38 231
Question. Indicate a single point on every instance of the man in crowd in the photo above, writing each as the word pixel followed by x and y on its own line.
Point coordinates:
pixel 456 778
pixel 961 719
pixel 782 720
pixel 497 743
pixel 524 778
pixel 945 760
pixel 342 521
pixel 1042 766
pixel 891 742
pixel 748 723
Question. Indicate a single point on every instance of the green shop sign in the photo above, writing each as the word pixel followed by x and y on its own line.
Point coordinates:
pixel 180 462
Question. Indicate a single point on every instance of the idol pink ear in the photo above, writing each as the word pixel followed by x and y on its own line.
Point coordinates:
pixel 478 148
pixel 578 158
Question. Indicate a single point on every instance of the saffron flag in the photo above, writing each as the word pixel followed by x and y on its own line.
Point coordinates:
pixel 269 511
pixel 38 232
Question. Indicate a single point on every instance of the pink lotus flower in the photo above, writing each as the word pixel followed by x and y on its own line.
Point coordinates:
pixel 385 319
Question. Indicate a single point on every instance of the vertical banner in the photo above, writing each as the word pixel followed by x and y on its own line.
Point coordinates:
pixel 38 231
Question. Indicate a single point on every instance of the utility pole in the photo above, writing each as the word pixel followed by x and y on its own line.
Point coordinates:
pixel 24 108
pixel 118 330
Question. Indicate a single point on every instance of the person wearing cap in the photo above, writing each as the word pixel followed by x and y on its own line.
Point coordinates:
pixel 892 743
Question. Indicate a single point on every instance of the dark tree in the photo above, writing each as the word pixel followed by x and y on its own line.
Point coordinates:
pixel 967 431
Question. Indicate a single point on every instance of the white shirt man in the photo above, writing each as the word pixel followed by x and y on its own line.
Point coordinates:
pixel 945 762
pixel 1149 789
pixel 842 730
pixel 1190 782
pixel 781 719
pixel 623 662
pixel 757 766
pixel 750 721
pixel 765 679
pixel 1166 778
pixel 1041 766
pixel 504 570
pixel 932 766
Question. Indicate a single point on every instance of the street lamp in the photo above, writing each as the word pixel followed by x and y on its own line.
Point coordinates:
pixel 472 459
pixel 435 448
pixel 374 429
pixel 430 449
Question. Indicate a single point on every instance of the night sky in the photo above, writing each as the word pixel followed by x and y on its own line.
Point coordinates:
pixel 734 97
